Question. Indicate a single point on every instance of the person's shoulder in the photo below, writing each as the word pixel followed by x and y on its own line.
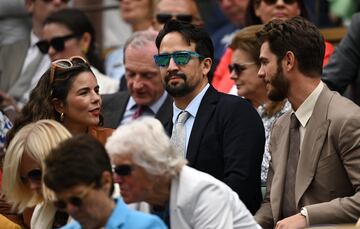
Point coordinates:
pixel 116 95
pixel 72 225
pixel 144 220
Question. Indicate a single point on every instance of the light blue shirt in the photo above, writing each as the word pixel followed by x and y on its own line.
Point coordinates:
pixel 114 64
pixel 192 108
pixel 131 108
pixel 123 217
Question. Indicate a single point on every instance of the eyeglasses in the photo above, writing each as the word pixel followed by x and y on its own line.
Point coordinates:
pixel 163 18
pixel 34 175
pixel 238 68
pixel 64 64
pixel 77 201
pixel 179 57
pixel 58 43
pixel 272 2
pixel 122 170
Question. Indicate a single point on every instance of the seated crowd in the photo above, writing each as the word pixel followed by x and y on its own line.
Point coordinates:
pixel 183 130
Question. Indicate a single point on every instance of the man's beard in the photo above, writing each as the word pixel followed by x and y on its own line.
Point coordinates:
pixel 180 89
pixel 279 86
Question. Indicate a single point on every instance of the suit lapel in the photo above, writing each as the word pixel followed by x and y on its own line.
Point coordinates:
pixel 205 112
pixel 165 112
pixel 279 148
pixel 315 136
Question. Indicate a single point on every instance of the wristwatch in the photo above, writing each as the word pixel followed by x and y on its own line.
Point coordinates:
pixel 303 212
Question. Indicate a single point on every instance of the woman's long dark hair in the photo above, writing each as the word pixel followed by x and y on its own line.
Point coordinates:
pixel 77 22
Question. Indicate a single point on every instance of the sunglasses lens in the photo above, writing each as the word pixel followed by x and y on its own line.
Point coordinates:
pixel 58 44
pixel 60 204
pixel 76 201
pixel 78 60
pixel 162 60
pixel 184 17
pixel 289 1
pixel 43 46
pixel 35 175
pixel 123 170
pixel 163 18
pixel 181 58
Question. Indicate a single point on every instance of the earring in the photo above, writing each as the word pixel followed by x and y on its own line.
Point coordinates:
pixel 61 117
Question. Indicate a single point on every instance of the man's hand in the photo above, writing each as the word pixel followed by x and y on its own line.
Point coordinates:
pixel 292 222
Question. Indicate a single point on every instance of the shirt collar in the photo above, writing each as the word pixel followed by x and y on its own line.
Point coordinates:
pixel 33 38
pixel 304 112
pixel 155 107
pixel 193 106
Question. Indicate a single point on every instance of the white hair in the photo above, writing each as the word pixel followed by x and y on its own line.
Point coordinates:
pixel 146 142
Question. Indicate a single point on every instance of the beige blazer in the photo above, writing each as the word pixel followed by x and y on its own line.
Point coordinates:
pixel 328 176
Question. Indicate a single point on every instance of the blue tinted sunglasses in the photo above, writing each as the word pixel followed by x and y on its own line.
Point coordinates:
pixel 179 57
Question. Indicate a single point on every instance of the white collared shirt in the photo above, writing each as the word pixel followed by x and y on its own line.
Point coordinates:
pixel 192 108
pixel 304 112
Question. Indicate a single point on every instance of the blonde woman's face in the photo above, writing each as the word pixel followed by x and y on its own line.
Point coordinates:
pixel 31 173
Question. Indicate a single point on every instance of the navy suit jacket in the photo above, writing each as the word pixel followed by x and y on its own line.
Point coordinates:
pixel 114 106
pixel 227 141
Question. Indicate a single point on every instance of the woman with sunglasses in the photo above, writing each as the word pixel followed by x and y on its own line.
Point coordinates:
pixel 243 69
pixel 24 164
pixel 147 168
pixel 68 93
pixel 261 12
pixel 68 33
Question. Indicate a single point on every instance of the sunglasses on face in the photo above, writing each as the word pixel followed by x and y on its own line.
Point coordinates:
pixel 122 170
pixel 239 68
pixel 33 176
pixel 272 2
pixel 76 201
pixel 179 57
pixel 163 18
pixel 58 43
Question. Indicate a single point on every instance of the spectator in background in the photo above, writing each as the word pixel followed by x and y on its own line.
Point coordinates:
pixel 224 135
pixel 147 168
pixel 24 165
pixel 139 15
pixel 68 93
pixel 259 12
pixel 80 174
pixel 22 63
pixel 244 69
pixel 342 74
pixel 235 12
pixel 146 95
pixel 183 10
pixel 68 33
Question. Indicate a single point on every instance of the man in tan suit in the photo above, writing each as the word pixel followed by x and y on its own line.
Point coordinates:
pixel 314 174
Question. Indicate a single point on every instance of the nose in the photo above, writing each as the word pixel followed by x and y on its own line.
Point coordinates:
pixel 233 75
pixel 225 3
pixel 137 82
pixel 51 51
pixel 34 185
pixel 280 3
pixel 118 179
pixel 71 209
pixel 261 73
pixel 95 98
pixel 172 66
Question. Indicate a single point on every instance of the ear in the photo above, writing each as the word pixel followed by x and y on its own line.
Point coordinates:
pixel 206 65
pixel 85 42
pixel 29 5
pixel 106 181
pixel 58 105
pixel 289 61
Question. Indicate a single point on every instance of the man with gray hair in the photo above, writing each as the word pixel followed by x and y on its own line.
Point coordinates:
pixel 146 95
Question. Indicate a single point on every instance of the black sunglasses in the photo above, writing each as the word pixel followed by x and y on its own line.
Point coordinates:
pixel 122 170
pixel 238 68
pixel 33 175
pixel 76 201
pixel 272 2
pixel 58 43
pixel 163 18
pixel 63 1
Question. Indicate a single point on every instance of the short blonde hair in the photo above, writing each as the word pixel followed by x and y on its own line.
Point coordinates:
pixel 147 143
pixel 37 140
